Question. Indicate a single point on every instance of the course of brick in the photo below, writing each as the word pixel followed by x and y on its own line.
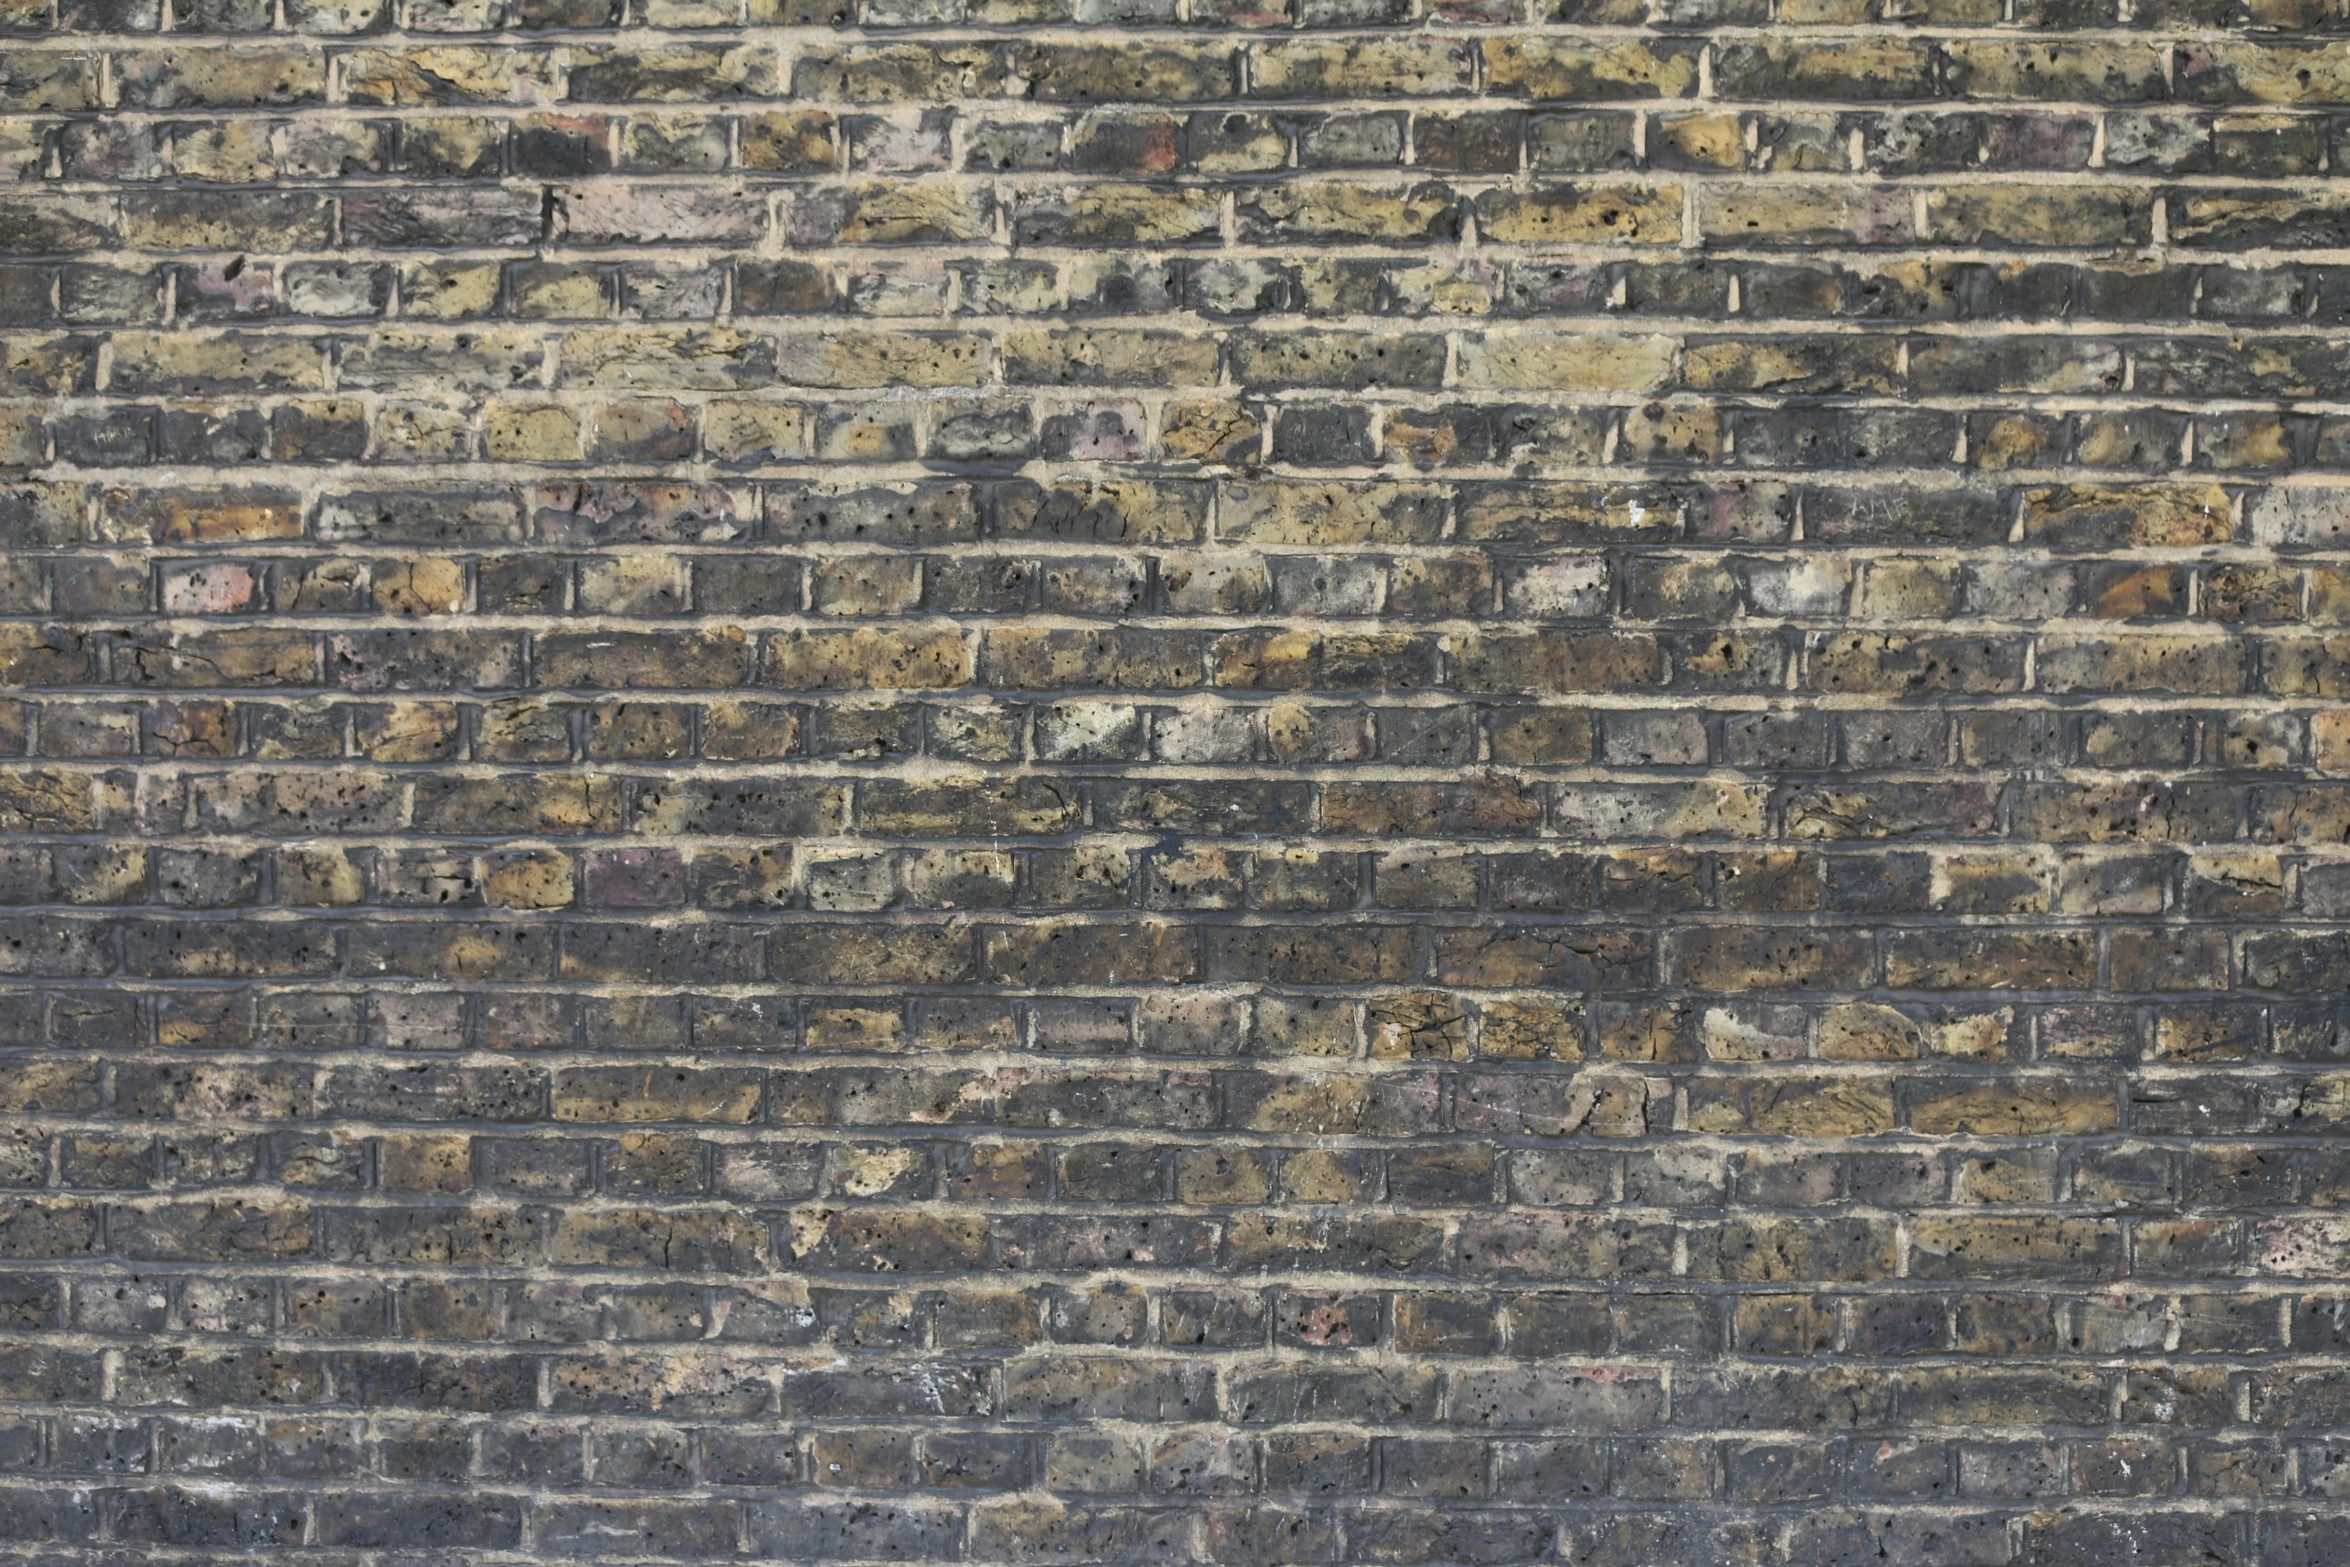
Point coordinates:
pixel 1175 781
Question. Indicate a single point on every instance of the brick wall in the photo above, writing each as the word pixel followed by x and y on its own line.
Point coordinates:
pixel 1214 781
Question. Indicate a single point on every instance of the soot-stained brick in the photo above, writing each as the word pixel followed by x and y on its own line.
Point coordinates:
pixel 1368 781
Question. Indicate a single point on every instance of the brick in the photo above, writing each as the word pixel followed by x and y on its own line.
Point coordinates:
pixel 920 791
pixel 1570 71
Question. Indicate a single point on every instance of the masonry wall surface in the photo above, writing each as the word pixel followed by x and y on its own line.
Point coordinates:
pixel 1344 781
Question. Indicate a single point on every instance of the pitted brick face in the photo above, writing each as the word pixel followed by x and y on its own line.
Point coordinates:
pixel 1390 783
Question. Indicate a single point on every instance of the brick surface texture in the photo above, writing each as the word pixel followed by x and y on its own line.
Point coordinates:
pixel 1388 782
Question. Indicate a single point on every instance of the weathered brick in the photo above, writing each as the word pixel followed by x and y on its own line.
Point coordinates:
pixel 1223 788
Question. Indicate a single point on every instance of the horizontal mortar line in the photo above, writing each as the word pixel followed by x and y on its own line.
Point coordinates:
pixel 961 919
pixel 362 335
pixel 358 334
pixel 1292 622
pixel 794 548
pixel 2026 562
pixel 1069 396
pixel 172 194
pixel 1953 1075
pixel 1005 104
pixel 1989 999
pixel 1874 702
pixel 756 531
pixel 320 487
pixel 1357 32
pixel 1532 176
pixel 974 697
pixel 543 1126
pixel 1464 772
pixel 1428 27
